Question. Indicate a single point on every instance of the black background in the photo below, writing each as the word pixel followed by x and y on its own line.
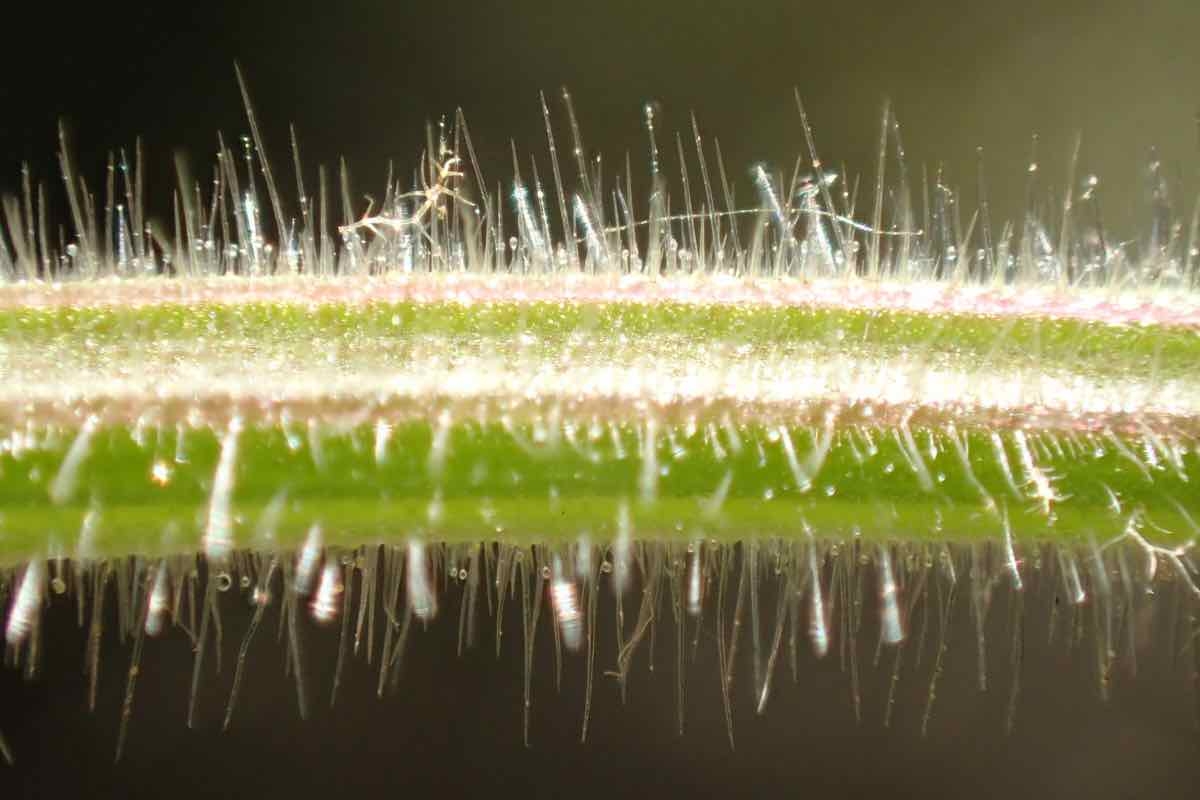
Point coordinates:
pixel 362 79
pixel 453 727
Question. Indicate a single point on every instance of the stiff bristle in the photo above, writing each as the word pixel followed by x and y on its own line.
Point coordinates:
pixel 467 393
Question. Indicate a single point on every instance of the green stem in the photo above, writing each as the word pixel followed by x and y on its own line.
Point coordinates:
pixel 539 421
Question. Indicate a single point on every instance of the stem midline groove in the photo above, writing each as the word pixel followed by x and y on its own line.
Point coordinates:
pixel 520 348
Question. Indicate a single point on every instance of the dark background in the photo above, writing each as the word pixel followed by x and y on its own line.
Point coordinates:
pixel 361 80
pixel 453 727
